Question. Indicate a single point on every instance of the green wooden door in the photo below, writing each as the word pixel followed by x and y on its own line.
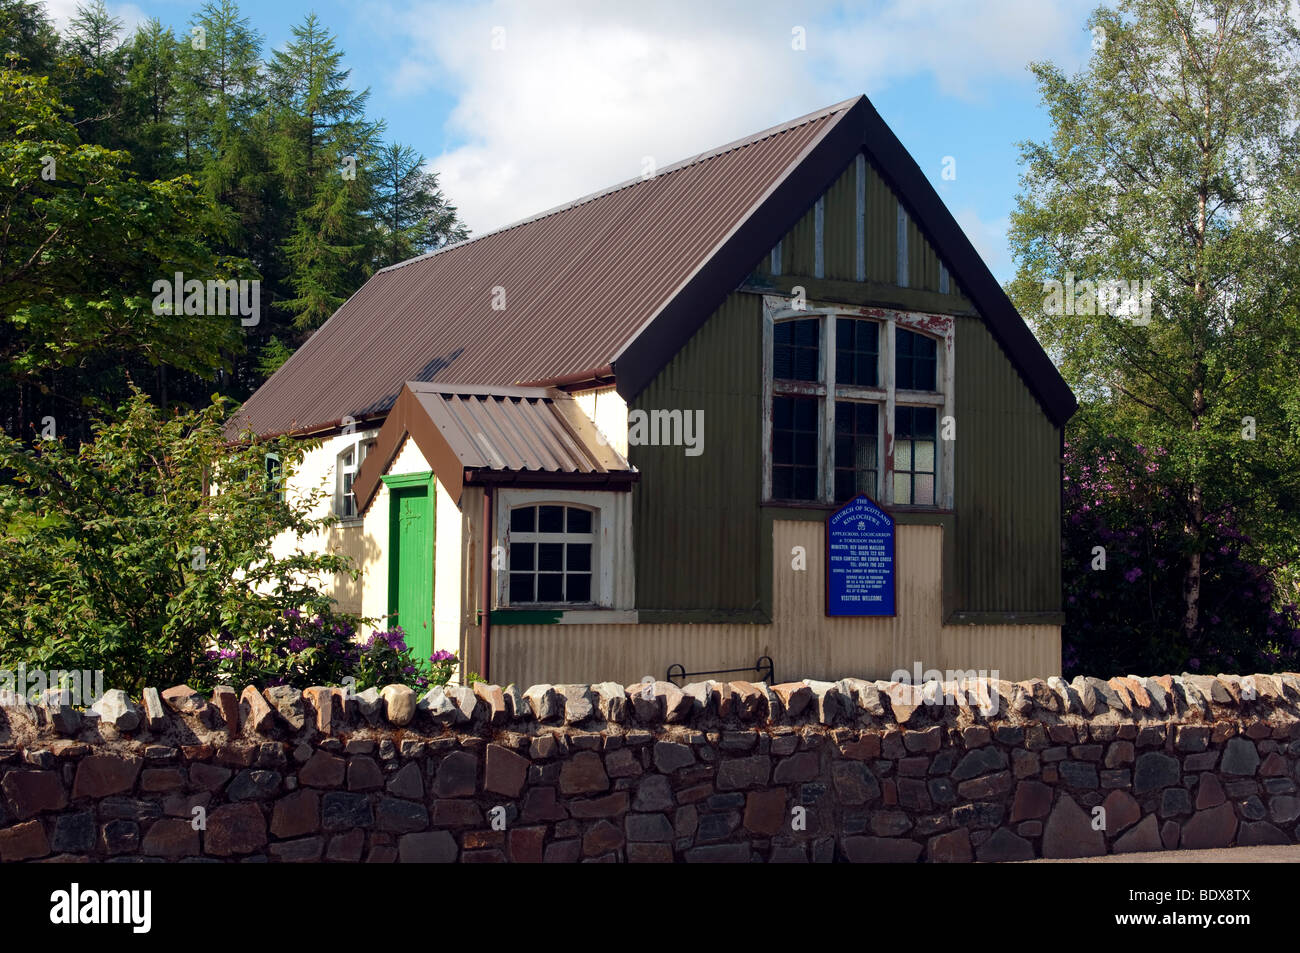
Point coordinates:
pixel 410 566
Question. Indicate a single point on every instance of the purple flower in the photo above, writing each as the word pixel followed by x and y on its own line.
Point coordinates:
pixel 1133 574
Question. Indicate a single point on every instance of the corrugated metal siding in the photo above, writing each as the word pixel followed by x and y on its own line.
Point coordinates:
pixel 798 248
pixel 882 230
pixel 1006 544
pixel 801 640
pixel 840 226
pixel 1007 484
pixel 698 523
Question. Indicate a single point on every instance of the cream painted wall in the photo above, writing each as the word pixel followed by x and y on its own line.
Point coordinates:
pixel 317 470
pixel 608 412
pixel 451 579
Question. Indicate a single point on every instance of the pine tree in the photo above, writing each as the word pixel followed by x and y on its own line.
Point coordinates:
pixel 27 35
pixel 412 216
pixel 93 80
pixel 320 144
pixel 152 101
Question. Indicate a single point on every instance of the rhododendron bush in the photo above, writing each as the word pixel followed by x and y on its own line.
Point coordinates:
pixel 1125 543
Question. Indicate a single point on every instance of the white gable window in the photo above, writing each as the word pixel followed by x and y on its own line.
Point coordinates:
pixel 552 555
pixel 346 466
pixel 855 401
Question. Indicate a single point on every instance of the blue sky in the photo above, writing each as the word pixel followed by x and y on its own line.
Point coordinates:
pixel 521 105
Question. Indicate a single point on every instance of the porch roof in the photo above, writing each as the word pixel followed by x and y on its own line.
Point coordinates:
pixel 495 435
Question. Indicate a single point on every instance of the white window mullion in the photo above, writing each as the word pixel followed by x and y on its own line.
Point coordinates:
pixel 828 410
pixel 887 432
pixel 949 404
pixel 768 343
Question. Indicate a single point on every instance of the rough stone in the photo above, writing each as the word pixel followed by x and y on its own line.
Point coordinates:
pixel 544 702
pixel 1240 757
pixel 740 773
pixel 32 792
pixel 1069 833
pixel 457 775
pixel 399 704
pixel 434 847
pixel 288 705
pixel 235 829
pixel 103 774
pixel 1122 811
pixel 1144 837
pixel 115 708
pixel 1003 847
pixel 323 770
pixel 1154 771
pixel 1213 827
pixel 583 774
pixel 953 847
pixel 296 814
pixel 881 850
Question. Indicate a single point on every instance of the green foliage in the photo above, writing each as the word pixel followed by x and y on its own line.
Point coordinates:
pixel 1174 161
pixel 27 36
pixel 115 555
pixel 265 141
pixel 1123 533
pixel 411 213
pixel 85 241
pixel 273 356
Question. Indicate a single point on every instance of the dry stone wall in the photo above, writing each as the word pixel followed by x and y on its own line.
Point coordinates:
pixel 731 772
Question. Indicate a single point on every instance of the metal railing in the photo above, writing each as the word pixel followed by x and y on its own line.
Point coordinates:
pixel 763 667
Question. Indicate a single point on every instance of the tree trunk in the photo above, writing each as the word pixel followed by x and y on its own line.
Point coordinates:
pixel 1192 578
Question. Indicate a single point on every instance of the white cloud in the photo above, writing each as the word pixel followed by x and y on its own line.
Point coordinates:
pixel 62 12
pixel 582 91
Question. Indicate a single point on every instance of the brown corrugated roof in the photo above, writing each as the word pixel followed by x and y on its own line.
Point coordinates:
pixel 580 282
pixel 516 435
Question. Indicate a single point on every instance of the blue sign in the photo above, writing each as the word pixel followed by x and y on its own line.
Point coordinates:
pixel 860 560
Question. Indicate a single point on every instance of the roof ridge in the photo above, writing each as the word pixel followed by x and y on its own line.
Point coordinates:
pixel 677 166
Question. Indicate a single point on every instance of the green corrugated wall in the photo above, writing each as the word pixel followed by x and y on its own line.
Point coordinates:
pixel 697 524
pixel 1007 484
pixel 702 539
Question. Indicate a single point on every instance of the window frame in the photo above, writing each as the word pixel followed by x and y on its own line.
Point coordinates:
pixel 537 537
pixel 359 448
pixel 602 547
pixel 940 328
pixel 273 465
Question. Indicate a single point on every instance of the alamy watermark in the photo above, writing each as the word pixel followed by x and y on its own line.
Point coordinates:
pixel 178 295
pixel 667 428
pixel 947 687
pixel 1116 297
pixel 79 687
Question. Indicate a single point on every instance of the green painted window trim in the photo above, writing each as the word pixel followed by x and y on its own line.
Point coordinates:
pixel 400 481
pixel 526 616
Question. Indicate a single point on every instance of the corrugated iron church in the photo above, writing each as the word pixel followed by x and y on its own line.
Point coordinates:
pixel 606 441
